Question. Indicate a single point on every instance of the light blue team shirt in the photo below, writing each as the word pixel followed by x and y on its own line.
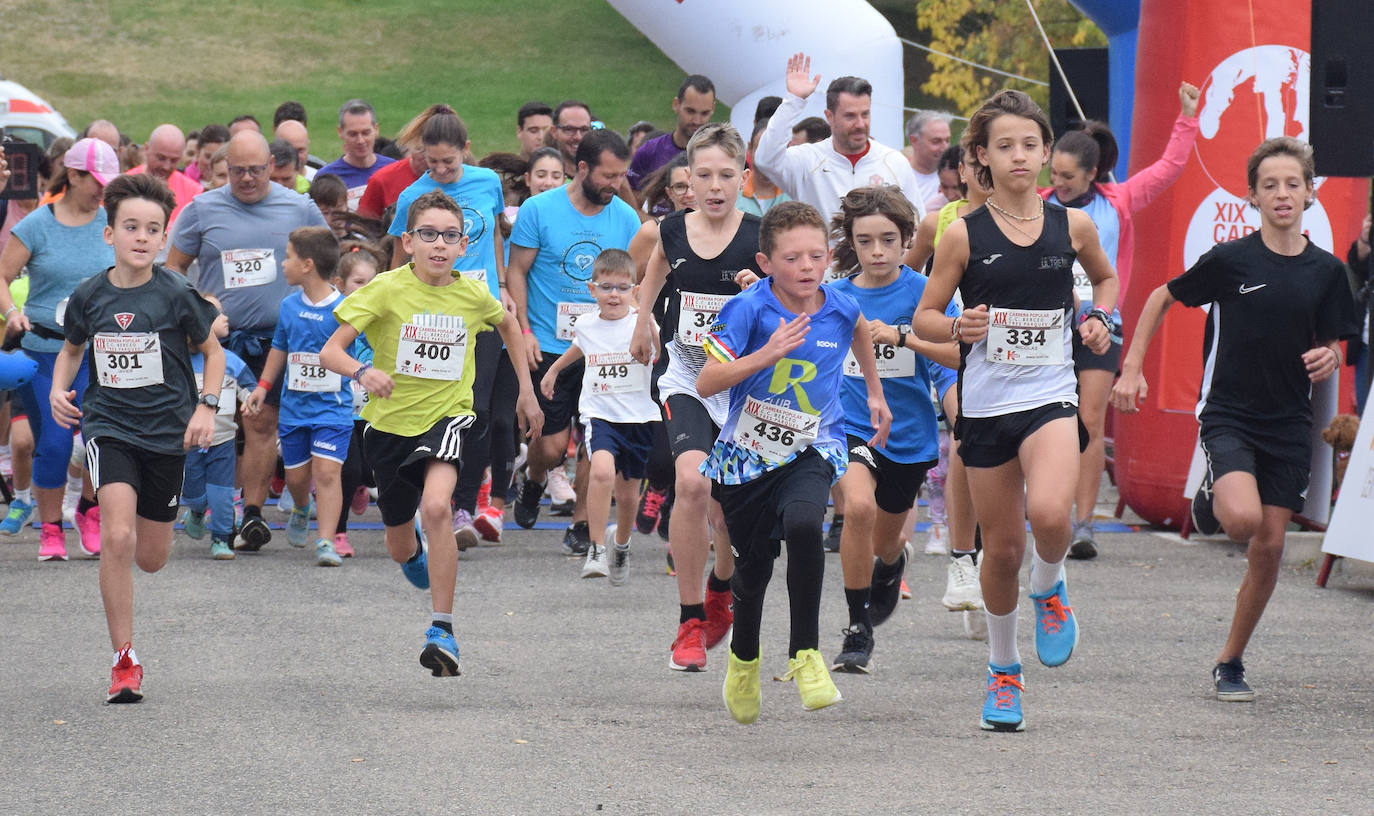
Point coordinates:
pixel 215 222
pixel 60 257
pixel 236 371
pixel 303 326
pixel 1108 224
pixel 568 243
pixel 478 192
pixel 807 380
pixel 913 438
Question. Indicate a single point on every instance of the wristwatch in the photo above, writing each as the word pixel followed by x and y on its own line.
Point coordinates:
pixel 903 329
pixel 210 400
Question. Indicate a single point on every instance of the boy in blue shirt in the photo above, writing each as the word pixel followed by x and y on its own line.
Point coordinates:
pixel 776 346
pixel 873 226
pixel 316 419
pixel 208 483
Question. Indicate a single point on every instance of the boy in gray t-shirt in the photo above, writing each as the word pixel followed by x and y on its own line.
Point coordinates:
pixel 141 410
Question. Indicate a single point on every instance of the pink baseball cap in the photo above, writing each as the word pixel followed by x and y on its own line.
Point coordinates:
pixel 95 157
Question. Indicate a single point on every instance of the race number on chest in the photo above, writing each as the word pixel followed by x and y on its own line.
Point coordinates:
pixel 304 373
pixel 774 432
pixel 616 372
pixel 567 318
pixel 248 267
pixel 1026 336
pixel 131 360
pixel 892 362
pixel 695 316
pixel 432 347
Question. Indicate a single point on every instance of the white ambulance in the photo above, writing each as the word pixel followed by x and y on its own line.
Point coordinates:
pixel 25 116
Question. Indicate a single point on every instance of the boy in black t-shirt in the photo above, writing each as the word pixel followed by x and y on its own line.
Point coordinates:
pixel 141 411
pixel 1279 306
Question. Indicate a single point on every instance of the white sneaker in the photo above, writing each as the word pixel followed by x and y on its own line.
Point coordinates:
pixel 962 590
pixel 937 542
pixel 620 564
pixel 559 489
pixel 976 625
pixel 595 565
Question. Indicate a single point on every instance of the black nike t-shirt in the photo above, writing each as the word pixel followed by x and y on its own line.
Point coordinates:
pixel 141 388
pixel 1266 310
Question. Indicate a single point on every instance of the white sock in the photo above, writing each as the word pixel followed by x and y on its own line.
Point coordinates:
pixel 74 485
pixel 133 657
pixel 1043 574
pixel 1002 639
pixel 4 451
pixel 442 617
pixel 25 495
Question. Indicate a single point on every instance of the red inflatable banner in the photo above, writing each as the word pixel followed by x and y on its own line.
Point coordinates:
pixel 1252 63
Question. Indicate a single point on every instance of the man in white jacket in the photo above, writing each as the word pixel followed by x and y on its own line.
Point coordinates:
pixel 820 174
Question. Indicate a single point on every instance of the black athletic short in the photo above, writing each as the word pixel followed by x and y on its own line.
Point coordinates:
pixel 1280 462
pixel 896 484
pixel 567 389
pixel 399 463
pixel 1085 360
pixel 987 442
pixel 155 477
pixel 689 425
pixel 753 510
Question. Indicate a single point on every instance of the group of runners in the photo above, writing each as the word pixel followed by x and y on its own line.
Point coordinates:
pixel 737 330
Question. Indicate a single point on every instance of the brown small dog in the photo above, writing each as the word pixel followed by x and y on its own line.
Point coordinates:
pixel 1340 435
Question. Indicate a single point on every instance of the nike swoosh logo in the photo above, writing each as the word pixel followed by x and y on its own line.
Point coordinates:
pixel 989 259
pixel 1245 290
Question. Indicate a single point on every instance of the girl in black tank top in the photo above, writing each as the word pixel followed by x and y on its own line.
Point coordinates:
pixel 1018 429
pixel 693 275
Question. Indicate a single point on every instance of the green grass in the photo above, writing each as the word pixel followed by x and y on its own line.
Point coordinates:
pixel 140 63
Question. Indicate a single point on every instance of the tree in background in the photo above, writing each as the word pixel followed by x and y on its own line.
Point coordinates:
pixel 1000 34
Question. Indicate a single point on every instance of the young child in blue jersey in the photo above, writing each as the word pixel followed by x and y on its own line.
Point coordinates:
pixel 617 411
pixel 208 483
pixel 358 265
pixel 872 228
pixel 777 347
pixel 316 419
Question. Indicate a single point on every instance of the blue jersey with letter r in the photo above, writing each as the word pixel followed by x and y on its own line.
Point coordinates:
pixel 806 381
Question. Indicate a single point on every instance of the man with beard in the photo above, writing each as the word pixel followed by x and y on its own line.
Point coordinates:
pixel 820 174
pixel 694 105
pixel 557 236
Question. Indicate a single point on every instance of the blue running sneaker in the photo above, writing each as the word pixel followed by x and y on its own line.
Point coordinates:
pixel 1056 628
pixel 194 522
pixel 416 571
pixel 440 654
pixel 298 527
pixel 18 516
pixel 325 555
pixel 1002 710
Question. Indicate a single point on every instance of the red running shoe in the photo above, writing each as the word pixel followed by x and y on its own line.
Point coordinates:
pixel 719 618
pixel 689 649
pixel 126 679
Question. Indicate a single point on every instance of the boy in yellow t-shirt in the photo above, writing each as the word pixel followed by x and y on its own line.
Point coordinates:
pixel 420 319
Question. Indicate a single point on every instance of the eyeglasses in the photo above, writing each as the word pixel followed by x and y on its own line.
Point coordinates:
pixel 429 236
pixel 608 288
pixel 679 188
pixel 573 130
pixel 240 172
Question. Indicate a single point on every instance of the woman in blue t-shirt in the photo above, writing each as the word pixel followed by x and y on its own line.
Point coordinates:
pixel 61 244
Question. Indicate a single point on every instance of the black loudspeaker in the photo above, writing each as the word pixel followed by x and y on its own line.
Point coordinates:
pixel 1086 69
pixel 1341 115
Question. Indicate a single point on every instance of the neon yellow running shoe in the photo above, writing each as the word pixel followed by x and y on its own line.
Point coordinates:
pixel 813 680
pixel 741 692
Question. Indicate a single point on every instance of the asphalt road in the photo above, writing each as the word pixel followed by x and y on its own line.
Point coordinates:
pixel 274 686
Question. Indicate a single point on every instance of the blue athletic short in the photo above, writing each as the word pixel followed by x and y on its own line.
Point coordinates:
pixel 326 442
pixel 629 442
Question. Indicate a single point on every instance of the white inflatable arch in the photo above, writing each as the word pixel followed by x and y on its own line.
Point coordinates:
pixel 743 47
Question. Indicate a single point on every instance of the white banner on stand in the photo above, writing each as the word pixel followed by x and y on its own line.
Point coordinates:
pixel 1351 532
